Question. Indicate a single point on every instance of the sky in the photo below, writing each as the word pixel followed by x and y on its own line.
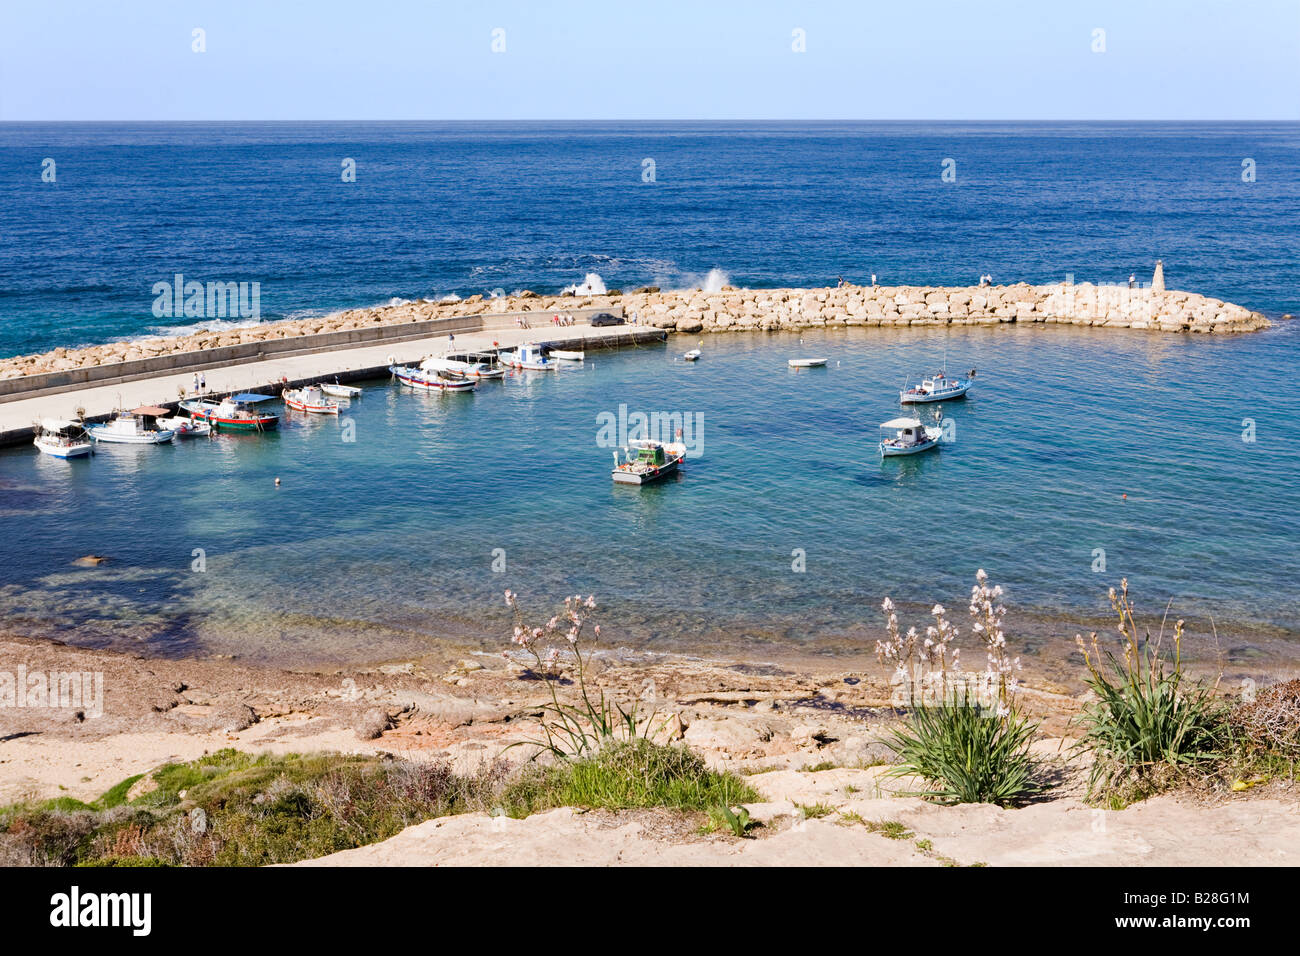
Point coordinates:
pixel 649 59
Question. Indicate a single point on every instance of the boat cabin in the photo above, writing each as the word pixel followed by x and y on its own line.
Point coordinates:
pixel 652 455
pixel 62 428
pixel 151 412
pixel 246 401
pixel 909 430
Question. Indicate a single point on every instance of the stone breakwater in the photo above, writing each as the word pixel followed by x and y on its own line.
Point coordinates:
pixel 732 309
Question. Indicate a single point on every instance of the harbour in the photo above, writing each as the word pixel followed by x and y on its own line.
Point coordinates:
pixel 381 536
pixel 310 364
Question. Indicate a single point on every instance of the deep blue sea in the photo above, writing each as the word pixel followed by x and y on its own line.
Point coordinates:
pixel 375 548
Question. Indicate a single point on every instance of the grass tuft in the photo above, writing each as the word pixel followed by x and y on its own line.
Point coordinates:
pixel 967 753
pixel 1150 725
pixel 625 775
pixel 889 828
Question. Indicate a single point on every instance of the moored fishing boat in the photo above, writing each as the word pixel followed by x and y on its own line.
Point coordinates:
pixel 238 413
pixel 910 437
pixel 527 356
pixel 567 355
pixel 310 399
pixel 651 462
pixel 432 381
pixel 479 365
pixel 806 362
pixel 937 388
pixel 136 427
pixel 62 438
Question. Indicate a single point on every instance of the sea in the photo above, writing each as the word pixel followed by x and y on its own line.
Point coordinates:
pixel 1081 457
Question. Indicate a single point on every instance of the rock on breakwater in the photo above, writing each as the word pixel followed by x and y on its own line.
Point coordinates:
pixel 733 309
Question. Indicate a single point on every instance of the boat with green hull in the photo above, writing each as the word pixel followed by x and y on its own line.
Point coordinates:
pixel 238 413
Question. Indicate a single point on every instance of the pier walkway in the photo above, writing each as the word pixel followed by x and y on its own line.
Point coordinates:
pixel 97 402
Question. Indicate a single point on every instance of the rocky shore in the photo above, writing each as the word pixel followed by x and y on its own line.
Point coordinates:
pixel 735 310
pixel 809 739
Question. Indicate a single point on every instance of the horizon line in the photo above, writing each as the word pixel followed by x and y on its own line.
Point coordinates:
pixel 700 119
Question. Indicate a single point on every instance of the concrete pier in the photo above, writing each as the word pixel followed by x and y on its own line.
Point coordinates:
pixel 99 401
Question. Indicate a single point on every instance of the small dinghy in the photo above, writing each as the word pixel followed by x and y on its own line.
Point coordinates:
pixel 692 356
pixel 432 381
pixel 806 362
pixel 311 399
pixel 937 388
pixel 910 437
pixel 62 438
pixel 648 461
pixel 340 391
pixel 186 427
pixel 567 355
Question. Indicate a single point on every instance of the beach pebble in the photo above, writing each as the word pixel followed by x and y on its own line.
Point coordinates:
pixel 371 723
pixel 809 735
pixel 237 718
pixel 733 736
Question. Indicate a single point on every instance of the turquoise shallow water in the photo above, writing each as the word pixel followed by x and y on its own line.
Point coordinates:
pixel 379 547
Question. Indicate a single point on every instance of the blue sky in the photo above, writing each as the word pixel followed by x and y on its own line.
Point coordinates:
pixel 657 59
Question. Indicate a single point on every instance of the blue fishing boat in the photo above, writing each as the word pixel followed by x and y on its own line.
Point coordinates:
pixel 937 388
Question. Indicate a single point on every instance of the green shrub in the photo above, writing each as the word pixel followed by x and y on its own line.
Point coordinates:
pixel 624 775
pixel 116 795
pixel 1150 724
pixel 245 810
pixel 735 820
pixel 967 753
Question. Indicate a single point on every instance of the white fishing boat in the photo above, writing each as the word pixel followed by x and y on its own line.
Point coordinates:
pixel 432 381
pixel 62 438
pixel 937 388
pixel 647 461
pixel 340 391
pixel 480 365
pixel 806 362
pixel 310 399
pixel 136 427
pixel 185 427
pixel 527 356
pixel 910 437
pixel 567 355
pixel 693 355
